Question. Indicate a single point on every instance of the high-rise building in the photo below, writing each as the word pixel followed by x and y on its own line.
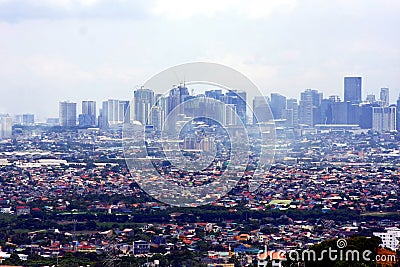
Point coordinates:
pixel 114 112
pixel 309 108
pixel 384 96
pixel 67 114
pixel 143 101
pixel 384 118
pixel 237 98
pixel 28 119
pixel 261 110
pixel 24 119
pixel 345 113
pixel 371 98
pixel 124 111
pixel 366 116
pixel 88 116
pixel 398 114
pixel 292 113
pixel 326 110
pixel 278 105
pixel 5 126
pixel 352 89
pixel 176 97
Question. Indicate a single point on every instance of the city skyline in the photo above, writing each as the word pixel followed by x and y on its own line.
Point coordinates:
pixel 94 50
pixel 382 92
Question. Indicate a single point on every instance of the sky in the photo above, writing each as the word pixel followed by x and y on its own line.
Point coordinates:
pixel 76 50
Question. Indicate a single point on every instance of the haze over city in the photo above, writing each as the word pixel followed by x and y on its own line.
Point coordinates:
pixel 73 50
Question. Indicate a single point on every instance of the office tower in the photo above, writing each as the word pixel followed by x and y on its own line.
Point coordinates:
pixel 156 117
pixel 261 110
pixel 384 119
pixel 235 97
pixel 292 113
pixel 28 119
pixel 114 112
pixel 5 126
pixel 238 99
pixel 230 117
pixel 88 116
pixel 345 113
pixel 278 105
pixel 352 89
pixel 366 115
pixel 340 112
pixel 326 110
pixel 176 97
pixel 371 98
pixel 67 113
pixel 309 108
pixel 398 114
pixel 143 101
pixel 89 107
pixel 384 96
pixel 124 111
pixel 24 119
pixel 103 119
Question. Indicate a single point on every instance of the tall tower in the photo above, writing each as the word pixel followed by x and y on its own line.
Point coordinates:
pixel 261 110
pixel 238 99
pixel 309 108
pixel 398 114
pixel 384 118
pixel 278 105
pixel 384 96
pixel 352 89
pixel 67 113
pixel 143 100
pixel 176 97
pixel 5 126
pixel 88 116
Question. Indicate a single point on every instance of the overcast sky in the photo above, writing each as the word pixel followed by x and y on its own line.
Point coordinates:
pixel 76 50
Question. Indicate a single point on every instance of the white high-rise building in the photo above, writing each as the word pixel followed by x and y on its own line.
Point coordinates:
pixel 384 118
pixel 384 96
pixel 114 112
pixel 143 100
pixel 390 238
pixel 5 126
pixel 67 114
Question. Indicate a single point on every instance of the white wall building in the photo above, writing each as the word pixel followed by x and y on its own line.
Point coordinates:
pixel 390 238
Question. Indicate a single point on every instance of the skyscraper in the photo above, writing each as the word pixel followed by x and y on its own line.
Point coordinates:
pixel 398 114
pixel 292 113
pixel 384 119
pixel 67 114
pixel 88 116
pixel 352 89
pixel 114 112
pixel 309 108
pixel 261 109
pixel 5 126
pixel 278 105
pixel 384 96
pixel 143 100
pixel 176 97
pixel 238 99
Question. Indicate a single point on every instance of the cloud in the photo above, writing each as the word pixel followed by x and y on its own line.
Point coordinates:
pixel 251 9
pixel 18 10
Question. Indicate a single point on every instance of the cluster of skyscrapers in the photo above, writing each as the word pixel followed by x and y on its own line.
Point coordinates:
pixel 313 109
pixel 230 107
pixel 151 109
